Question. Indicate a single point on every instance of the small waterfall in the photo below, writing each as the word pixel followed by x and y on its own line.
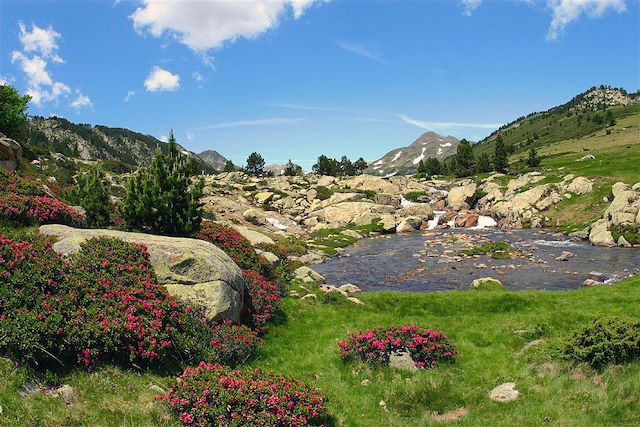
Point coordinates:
pixel 436 220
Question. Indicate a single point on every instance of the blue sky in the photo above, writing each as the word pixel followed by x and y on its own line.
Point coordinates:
pixel 299 78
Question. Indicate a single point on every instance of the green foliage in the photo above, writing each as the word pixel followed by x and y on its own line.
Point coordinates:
pixel 483 163
pixel 255 164
pixel 323 192
pixel 497 250
pixel 605 341
pixel 13 112
pixel 360 165
pixel 291 169
pixel 229 167
pixel 162 200
pixel 533 161
pixel 91 193
pixel 332 167
pixel 414 196
pixel 463 162
pixel 432 166
pixel 500 160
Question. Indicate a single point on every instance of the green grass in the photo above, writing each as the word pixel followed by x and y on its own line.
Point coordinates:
pixel 414 195
pixel 489 329
pixel 330 239
pixel 497 250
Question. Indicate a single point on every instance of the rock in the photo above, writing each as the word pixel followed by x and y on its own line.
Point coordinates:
pixel 263 197
pixel 402 360
pixel 459 195
pixel 521 202
pixel 66 393
pixel 350 288
pixel 580 186
pixel 451 416
pixel 409 224
pixel 388 223
pixel 10 153
pixel 191 269
pixel 486 283
pixel 365 383
pixel 504 393
pixel 355 300
pixel 600 234
pixel 351 233
pixel 344 213
pixel 619 203
pixel 371 183
pixel 254 237
pixel 564 256
pixel 466 220
pixel 421 210
pixel 622 218
pixel 311 195
pixel 580 234
pixel 586 158
pixel 388 199
pixel 618 188
pixel 309 297
pixel 304 272
pixel 591 283
pixel 623 242
pixel 271 257
pixel 254 216
pixel 157 389
pixel 364 218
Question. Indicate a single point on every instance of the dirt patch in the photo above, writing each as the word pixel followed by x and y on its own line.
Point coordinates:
pixel 451 416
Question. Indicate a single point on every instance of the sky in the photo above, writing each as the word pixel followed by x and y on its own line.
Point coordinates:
pixel 293 79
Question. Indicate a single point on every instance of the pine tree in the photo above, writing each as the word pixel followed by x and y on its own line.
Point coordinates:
pixel 360 165
pixel 229 167
pixel 92 194
pixel 432 166
pixel 500 161
pixel 533 161
pixel 162 200
pixel 483 164
pixel 464 160
pixel 255 164
pixel 291 169
pixel 421 168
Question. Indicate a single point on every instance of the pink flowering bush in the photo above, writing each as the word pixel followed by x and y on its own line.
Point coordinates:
pixel 262 301
pixel 32 210
pixel 103 305
pixel 213 395
pixel 11 183
pixel 427 347
pixel 235 245
pixel 233 344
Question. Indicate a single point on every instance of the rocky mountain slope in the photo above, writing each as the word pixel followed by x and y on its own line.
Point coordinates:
pixel 86 142
pixel 405 160
pixel 213 159
pixel 593 110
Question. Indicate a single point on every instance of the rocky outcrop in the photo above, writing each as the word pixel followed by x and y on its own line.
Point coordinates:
pixel 622 214
pixel 461 197
pixel 345 213
pixel 10 153
pixel 191 269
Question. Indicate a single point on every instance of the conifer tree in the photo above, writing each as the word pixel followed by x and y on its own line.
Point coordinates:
pixel 92 194
pixel 533 161
pixel 229 166
pixel 464 164
pixel 500 161
pixel 162 200
pixel 255 164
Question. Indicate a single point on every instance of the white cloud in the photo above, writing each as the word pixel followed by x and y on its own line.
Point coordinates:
pixel 257 122
pixel 209 24
pixel 164 138
pixel 360 49
pixel 189 136
pixel 130 94
pixel 4 80
pixel 160 80
pixel 197 77
pixel 40 85
pixel 81 101
pixel 446 125
pixel 40 41
pixel 566 11
pixel 470 6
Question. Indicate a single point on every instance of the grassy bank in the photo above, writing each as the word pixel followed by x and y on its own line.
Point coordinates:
pixel 489 329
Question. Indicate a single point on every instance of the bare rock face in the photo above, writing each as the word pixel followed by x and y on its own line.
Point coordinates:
pixel 190 269
pixel 461 195
pixel 10 153
pixel 504 393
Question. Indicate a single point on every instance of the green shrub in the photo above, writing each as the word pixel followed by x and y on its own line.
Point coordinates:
pixel 92 194
pixel 162 200
pixel 414 196
pixel 497 250
pixel 605 341
pixel 323 192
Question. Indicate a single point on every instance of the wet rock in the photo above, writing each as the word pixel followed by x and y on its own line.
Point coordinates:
pixel 504 393
pixel 466 220
pixel 589 283
pixel 564 256
pixel 486 283
pixel 402 360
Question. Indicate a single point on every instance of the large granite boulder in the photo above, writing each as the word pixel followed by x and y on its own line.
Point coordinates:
pixel 190 269
pixel 422 210
pixel 459 196
pixel 10 153
pixel 342 214
pixel 580 185
pixel 600 234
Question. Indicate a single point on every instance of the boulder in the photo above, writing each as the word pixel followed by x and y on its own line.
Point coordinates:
pixel 564 256
pixel 586 158
pixel 371 183
pixel 350 288
pixel 600 234
pixel 344 213
pixel 421 210
pixel 580 185
pixel 388 199
pixel 191 269
pixel 311 195
pixel 466 220
pixel 10 153
pixel 409 224
pixel 402 360
pixel 486 283
pixel 618 188
pixel 254 237
pixel 304 273
pixel 504 393
pixel 388 223
pixel 351 233
pixel 459 195
pixel 623 242
pixel 589 283
pixel 521 202
pixel 263 197
pixel 254 216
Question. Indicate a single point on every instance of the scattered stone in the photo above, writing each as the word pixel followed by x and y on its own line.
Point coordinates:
pixel 264 197
pixel 305 272
pixel 350 288
pixel 157 389
pixel 355 300
pixel 309 297
pixel 504 393
pixel 586 158
pixel 402 360
pixel 365 383
pixel 564 256
pixel 451 416
pixel 66 393
pixel 591 283
pixel 383 405
pixel 486 283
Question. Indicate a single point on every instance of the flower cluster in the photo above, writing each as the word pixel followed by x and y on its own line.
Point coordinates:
pixel 235 245
pixel 426 346
pixel 214 395
pixel 10 183
pixel 38 210
pixel 233 344
pixel 261 300
pixel 104 305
